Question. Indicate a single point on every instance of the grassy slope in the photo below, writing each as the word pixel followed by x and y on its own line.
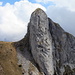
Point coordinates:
pixel 8 59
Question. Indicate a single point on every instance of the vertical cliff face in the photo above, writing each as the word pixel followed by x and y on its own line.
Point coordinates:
pixel 41 41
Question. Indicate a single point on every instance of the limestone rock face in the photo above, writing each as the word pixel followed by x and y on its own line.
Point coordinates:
pixel 41 41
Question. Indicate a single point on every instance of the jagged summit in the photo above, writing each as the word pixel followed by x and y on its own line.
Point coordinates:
pixel 46 49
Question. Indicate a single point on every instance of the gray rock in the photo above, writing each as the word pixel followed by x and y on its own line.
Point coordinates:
pixel 52 48
pixel 41 41
pixel 63 50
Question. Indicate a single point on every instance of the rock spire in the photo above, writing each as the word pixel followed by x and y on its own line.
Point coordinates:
pixel 41 41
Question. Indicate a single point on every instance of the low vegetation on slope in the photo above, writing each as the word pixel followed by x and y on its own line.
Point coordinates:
pixel 8 60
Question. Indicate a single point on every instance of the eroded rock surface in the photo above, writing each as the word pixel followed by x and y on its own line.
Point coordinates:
pixel 41 41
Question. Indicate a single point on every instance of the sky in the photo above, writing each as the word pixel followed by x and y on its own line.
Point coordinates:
pixel 15 15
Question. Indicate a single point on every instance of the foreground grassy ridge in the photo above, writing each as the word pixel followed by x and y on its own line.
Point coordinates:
pixel 8 59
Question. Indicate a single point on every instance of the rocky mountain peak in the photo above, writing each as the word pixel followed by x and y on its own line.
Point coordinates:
pixel 46 49
pixel 38 11
pixel 51 46
pixel 38 16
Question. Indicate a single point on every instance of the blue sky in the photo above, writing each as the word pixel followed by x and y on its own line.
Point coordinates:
pixel 8 1
pixel 13 1
pixel 32 1
pixel 15 15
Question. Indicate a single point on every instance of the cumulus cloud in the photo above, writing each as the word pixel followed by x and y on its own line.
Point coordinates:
pixel 14 19
pixel 42 1
pixel 69 4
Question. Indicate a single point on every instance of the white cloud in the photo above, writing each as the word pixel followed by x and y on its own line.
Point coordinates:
pixel 14 19
pixel 1 3
pixel 44 1
pixel 70 4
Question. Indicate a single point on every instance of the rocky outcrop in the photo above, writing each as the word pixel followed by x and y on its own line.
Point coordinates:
pixel 41 41
pixel 46 49
pixel 52 48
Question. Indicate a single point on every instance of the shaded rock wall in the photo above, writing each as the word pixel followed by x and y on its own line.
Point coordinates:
pixel 63 50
